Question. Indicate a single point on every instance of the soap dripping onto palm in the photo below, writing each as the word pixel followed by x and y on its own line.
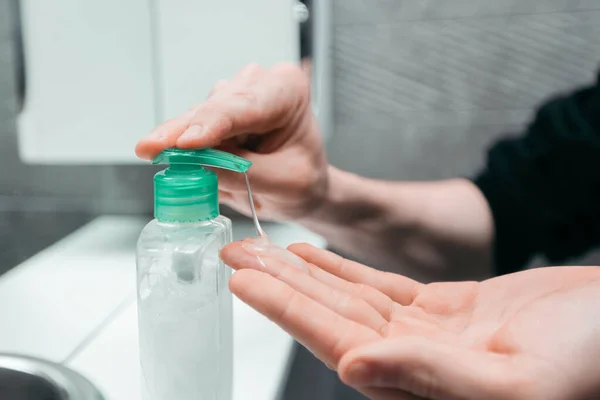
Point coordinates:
pixel 262 247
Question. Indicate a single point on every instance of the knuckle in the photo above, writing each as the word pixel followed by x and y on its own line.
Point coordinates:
pixel 293 74
pixel 287 68
pixel 305 175
pixel 234 105
pixel 217 112
pixel 337 268
pixel 251 69
pixel 286 312
pixel 219 86
pixel 247 96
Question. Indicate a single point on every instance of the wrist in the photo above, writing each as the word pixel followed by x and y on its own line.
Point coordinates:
pixel 353 203
pixel 342 191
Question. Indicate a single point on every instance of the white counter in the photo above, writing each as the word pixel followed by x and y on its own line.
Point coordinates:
pixel 74 303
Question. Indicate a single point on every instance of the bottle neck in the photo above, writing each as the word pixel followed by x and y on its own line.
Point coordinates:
pixel 176 168
pixel 189 213
pixel 185 193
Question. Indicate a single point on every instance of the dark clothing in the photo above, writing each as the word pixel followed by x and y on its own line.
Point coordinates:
pixel 544 187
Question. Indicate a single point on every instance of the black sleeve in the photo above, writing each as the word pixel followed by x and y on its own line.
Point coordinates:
pixel 544 187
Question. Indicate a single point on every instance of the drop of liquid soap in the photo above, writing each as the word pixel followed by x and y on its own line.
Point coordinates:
pixel 259 231
pixel 264 250
pixel 263 246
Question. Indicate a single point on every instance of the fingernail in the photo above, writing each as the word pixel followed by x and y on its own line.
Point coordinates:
pixel 257 246
pixel 192 133
pixel 266 263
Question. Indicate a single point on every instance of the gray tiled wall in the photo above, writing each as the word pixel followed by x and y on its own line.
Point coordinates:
pixel 385 11
pixel 423 87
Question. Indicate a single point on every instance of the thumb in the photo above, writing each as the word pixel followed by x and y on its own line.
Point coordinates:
pixel 388 394
pixel 429 369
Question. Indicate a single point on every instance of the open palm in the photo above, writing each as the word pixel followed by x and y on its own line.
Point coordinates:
pixel 530 335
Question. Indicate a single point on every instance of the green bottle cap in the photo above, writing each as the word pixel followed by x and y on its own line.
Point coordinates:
pixel 187 192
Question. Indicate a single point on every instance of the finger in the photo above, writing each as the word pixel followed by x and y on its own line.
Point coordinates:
pixel 225 196
pixel 325 333
pixel 388 394
pixel 232 199
pixel 251 72
pixel 218 87
pixel 238 202
pixel 429 369
pixel 268 105
pixel 263 167
pixel 277 172
pixel 397 287
pixel 379 301
pixel 255 108
pixel 163 136
pixel 224 117
pixel 277 263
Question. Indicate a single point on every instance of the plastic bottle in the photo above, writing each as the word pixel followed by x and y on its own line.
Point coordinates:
pixel 184 304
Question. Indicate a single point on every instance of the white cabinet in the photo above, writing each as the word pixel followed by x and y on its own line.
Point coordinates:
pixel 202 41
pixel 100 74
pixel 88 73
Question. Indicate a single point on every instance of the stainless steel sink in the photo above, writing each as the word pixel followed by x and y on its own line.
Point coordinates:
pixel 27 378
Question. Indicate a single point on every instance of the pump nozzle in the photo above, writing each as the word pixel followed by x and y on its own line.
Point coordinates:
pixel 203 157
pixel 185 191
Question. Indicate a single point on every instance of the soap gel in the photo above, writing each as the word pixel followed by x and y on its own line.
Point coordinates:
pixel 184 303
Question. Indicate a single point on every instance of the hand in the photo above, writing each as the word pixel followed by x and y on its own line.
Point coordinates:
pixel 429 230
pixel 266 117
pixel 531 335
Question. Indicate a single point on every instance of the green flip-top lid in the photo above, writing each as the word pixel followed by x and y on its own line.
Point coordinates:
pixel 187 192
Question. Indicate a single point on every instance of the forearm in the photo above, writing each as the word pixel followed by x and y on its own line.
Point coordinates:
pixel 543 186
pixel 429 230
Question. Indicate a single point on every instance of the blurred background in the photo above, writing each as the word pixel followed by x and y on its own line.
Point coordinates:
pixel 428 85
pixel 412 90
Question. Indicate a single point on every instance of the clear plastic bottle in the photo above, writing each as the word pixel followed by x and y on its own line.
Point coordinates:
pixel 184 304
